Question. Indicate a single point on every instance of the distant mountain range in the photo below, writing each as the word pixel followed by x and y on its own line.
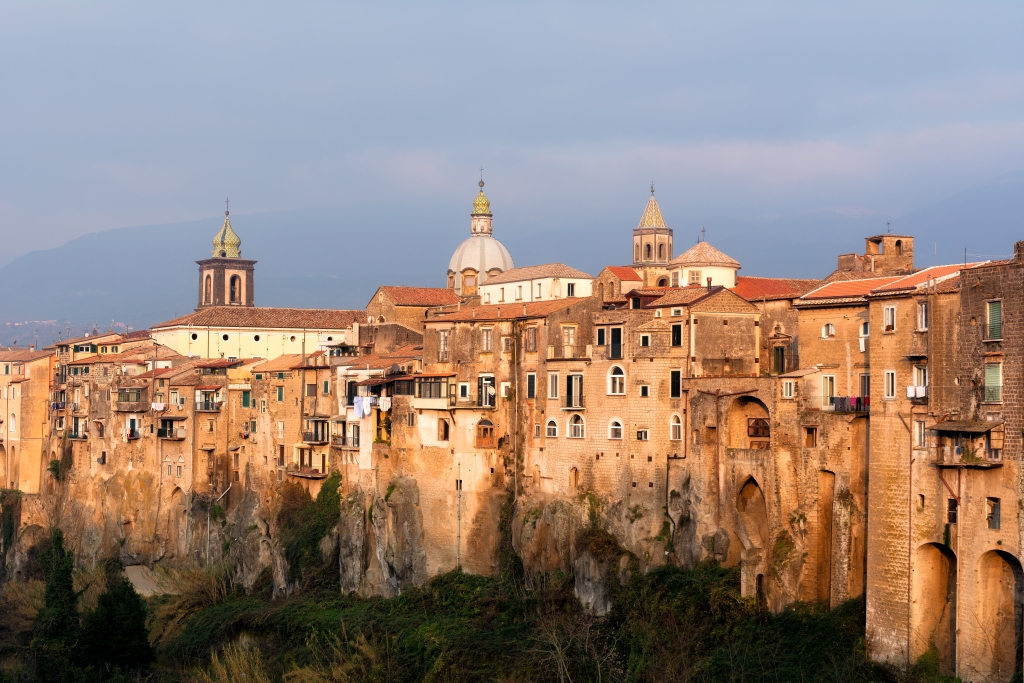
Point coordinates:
pixel 336 258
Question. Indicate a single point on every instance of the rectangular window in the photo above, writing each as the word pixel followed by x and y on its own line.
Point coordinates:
pixel 411 419
pixel 645 390
pixel 600 336
pixel 327 387
pixel 889 318
pixel 536 430
pixel 259 376
pixel 552 385
pixel 519 293
pixel 922 316
pixel 486 391
pixel 280 394
pixel 464 390
pixel 645 340
pixel 263 405
pixel 920 376
pixel 485 339
pixel 993 382
pixel 179 470
pixel 642 435
pixel 828 389
pixel 442 345
pixel 570 289
pixel 677 335
pixel 787 388
pixel 890 384
pixel 280 429
pixel 442 430
pixel 531 385
pixel 311 390
pixel 992 512
pixel 675 383
pixel 951 510
pixel 676 312
pixel 694 278
pixel 506 344
pixel 865 385
pixel 994 328
pixel 531 339
pixel 615 343
pixel 810 437
pixel 574 391
pixel 245 399
pixel 920 434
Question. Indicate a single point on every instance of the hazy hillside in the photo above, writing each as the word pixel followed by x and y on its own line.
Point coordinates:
pixel 336 258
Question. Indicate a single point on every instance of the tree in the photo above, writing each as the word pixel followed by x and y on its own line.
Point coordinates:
pixel 114 634
pixel 55 632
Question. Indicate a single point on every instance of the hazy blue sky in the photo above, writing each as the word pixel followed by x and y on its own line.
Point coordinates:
pixel 118 114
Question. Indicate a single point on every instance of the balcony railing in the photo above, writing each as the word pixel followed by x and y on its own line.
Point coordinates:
pixel 851 404
pixel 58 405
pixel 209 406
pixel 133 434
pixel 993 331
pixel 568 351
pixel 173 433
pixel 339 441
pixel 573 403
pixel 314 437
pixel 78 435
pixel 132 406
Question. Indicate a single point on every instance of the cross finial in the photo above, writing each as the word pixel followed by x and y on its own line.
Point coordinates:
pixel 481 183
pixel 888 227
pixel 652 188
pixel 703 233
pixel 227 205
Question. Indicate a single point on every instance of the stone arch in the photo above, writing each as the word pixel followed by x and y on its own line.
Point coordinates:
pixel 176 524
pixel 574 478
pixel 663 282
pixel 749 422
pixel 933 605
pixel 647 252
pixel 235 291
pixel 998 643
pixel 753 513
pixel 661 252
pixel 899 247
pixel 208 290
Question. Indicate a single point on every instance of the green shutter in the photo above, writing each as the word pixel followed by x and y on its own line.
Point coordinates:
pixel 245 399
pixel 995 320
pixel 993 382
pixel 280 394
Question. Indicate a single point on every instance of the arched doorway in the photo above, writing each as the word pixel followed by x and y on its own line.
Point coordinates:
pixel 933 605
pixel 999 645
pixel 574 479
pixel 823 531
pixel 749 425
pixel 753 513
pixel 176 524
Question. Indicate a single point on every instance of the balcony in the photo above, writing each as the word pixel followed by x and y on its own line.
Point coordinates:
pixel 172 433
pixel 318 438
pixel 850 404
pixel 78 436
pixel 573 403
pixel 131 406
pixel 992 331
pixel 568 352
pixel 58 405
pixel 209 406
pixel 306 472
pixel 133 434
pixel 339 442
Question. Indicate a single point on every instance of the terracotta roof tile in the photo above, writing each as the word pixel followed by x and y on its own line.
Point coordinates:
pixel 536 272
pixel 268 318
pixel 848 288
pixel 421 296
pixel 771 288
pixel 533 309
pixel 679 296
pixel 703 254
pixel 23 355
pixel 280 364
pixel 922 277
pixel 624 273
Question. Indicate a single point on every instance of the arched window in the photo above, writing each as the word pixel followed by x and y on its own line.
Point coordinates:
pixel 485 434
pixel 451 282
pixel 574 478
pixel 662 282
pixel 576 427
pixel 676 433
pixel 828 331
pixel 636 253
pixel 647 252
pixel 615 430
pixel 552 429
pixel 208 290
pixel 236 289
pixel 616 381
pixel 899 247
pixel 661 252
pixel 14 425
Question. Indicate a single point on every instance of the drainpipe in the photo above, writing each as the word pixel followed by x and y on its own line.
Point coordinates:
pixel 209 513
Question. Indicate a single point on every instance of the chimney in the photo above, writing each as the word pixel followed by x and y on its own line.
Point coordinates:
pixel 709 285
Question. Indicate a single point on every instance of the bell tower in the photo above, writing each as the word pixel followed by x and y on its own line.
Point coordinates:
pixel 226 279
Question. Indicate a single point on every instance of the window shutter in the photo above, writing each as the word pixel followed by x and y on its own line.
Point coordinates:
pixel 245 399
pixel 568 390
pixel 480 390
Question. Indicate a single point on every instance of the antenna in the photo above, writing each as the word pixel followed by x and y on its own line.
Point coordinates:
pixel 888 227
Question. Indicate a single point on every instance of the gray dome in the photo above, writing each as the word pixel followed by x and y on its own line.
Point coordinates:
pixel 481 253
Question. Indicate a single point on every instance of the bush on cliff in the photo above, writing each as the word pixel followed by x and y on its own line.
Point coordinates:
pixel 303 522
pixel 114 635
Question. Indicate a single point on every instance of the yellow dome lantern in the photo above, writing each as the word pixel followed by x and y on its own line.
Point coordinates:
pixel 481 205
pixel 227 243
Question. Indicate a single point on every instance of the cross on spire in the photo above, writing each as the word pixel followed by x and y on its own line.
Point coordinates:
pixel 652 188
pixel 227 205
pixel 481 176
pixel 703 234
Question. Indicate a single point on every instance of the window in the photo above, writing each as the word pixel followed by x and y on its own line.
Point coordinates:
pixel 889 318
pixel 280 394
pixel 442 430
pixel 485 434
pixel 642 435
pixel 536 430
pixel 993 382
pixel 574 391
pixel 442 345
pixel 992 512
pixel 552 430
pixel 890 384
pixel 531 339
pixel 469 280
pixel 411 419
pixel 994 328
pixel 506 344
pixel 676 429
pixel 810 437
pixel 920 434
pixel 485 391
pixel 569 336
pixel 694 278
pixel 645 340
pixel 865 385
pixel 647 252
pixel 327 387
pixel 501 295
pixel 615 343
pixel 280 429
pixel 616 381
pixel 355 435
pixel 552 385
pixel 245 399
pixel 464 390
pixel 828 389
pixel 677 335
pixel 531 385
pixel 570 289
pixel 920 375
pixel 779 359
pixel 951 510
pixel 787 388
pixel 645 390
pixel 615 430
pixel 828 331
pixel 675 278
pixel 485 339
pixel 236 289
pixel 178 471
pixel 263 405
pixel 519 293
pixel 676 312
pixel 675 382
pixel 600 336
pixel 922 316
pixel 576 427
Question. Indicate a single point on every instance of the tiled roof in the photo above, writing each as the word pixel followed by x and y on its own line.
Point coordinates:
pixel 105 336
pixel 136 335
pixel 771 288
pixel 283 362
pixel 848 289
pixel 624 273
pixel 536 272
pixel 921 277
pixel 949 285
pixel 268 318
pixel 22 355
pixel 421 296
pixel 703 254
pixel 649 291
pixel 679 296
pixel 384 360
pixel 533 309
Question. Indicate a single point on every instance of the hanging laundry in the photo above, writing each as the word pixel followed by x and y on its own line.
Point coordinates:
pixel 357 405
pixel 385 404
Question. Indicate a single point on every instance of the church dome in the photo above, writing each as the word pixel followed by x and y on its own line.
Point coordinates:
pixel 480 253
pixel 227 243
